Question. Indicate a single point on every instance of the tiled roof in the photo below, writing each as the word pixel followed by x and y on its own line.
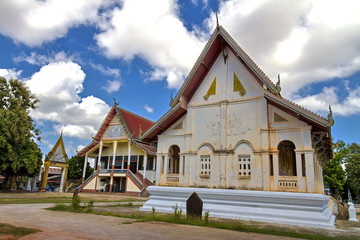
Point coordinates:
pixel 134 122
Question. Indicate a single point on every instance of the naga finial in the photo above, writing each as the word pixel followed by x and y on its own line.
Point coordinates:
pixel 115 103
pixel 330 117
pixel 278 88
pixel 217 21
pixel 171 100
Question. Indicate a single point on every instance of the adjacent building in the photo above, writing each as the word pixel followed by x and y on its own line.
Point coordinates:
pixel 123 163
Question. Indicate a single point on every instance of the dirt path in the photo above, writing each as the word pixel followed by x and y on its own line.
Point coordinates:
pixel 65 225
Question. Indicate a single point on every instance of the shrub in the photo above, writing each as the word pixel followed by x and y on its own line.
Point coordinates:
pixel 177 211
pixel 75 203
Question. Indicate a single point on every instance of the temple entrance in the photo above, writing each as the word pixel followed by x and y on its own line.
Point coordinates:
pixel 174 159
pixel 287 159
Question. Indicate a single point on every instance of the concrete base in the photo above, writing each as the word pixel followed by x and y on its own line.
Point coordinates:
pixel 303 209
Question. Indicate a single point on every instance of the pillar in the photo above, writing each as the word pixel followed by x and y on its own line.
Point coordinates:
pixel 310 174
pixel 129 156
pixel 112 166
pixel 45 176
pixel 85 165
pixel 62 180
pixel 99 157
pixel 158 169
pixel 265 171
pixel 276 168
pixel 299 173
pixel 145 164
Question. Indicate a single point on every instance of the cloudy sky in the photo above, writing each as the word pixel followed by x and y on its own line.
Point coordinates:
pixel 76 56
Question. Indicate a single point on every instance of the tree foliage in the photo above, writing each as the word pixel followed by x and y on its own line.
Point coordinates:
pixel 333 172
pixel 19 153
pixel 76 166
pixel 352 163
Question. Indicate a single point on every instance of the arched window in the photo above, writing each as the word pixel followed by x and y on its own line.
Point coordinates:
pixel 287 160
pixel 174 159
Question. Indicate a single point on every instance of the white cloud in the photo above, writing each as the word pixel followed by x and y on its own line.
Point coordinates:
pixel 148 109
pixel 10 73
pixel 107 71
pixel 153 32
pixel 34 22
pixel 112 86
pixel 305 41
pixel 350 105
pixel 58 85
pixel 38 59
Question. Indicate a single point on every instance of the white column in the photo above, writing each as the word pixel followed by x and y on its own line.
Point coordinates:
pixel 166 166
pixel 265 172
pixel 310 174
pixel 85 165
pixel 158 169
pixel 145 163
pixel 99 157
pixel 129 155
pixel 299 173
pixel 62 180
pixel 114 154
pixel 276 169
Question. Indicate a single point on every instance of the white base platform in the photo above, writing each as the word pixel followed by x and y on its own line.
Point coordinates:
pixel 302 209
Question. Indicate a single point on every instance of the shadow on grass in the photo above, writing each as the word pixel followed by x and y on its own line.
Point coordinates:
pixel 229 225
pixel 15 232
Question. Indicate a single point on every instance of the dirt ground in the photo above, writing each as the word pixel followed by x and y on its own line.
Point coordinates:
pixel 64 225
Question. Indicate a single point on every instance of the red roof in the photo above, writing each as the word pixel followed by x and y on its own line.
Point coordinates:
pixel 131 122
pixel 134 122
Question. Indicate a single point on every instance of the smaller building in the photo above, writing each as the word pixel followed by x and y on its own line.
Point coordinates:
pixel 56 163
pixel 122 162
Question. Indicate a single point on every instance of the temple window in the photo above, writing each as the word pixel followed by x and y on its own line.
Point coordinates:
pixel 174 159
pixel 287 160
pixel 205 163
pixel 244 166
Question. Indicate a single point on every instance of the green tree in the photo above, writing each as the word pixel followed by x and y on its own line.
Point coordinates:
pixel 76 167
pixel 352 163
pixel 19 153
pixel 333 172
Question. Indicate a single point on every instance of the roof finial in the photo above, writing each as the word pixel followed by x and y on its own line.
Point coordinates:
pixel 115 103
pixel 278 88
pixel 330 117
pixel 171 100
pixel 217 21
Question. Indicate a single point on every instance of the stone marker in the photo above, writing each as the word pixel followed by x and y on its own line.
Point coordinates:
pixel 194 206
pixel 352 212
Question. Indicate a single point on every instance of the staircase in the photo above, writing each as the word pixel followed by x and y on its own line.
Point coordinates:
pixel 87 180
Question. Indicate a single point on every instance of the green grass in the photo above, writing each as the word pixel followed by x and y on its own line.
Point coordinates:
pixel 235 225
pixel 55 200
pixel 15 232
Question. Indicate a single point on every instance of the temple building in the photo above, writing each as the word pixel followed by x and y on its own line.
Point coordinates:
pixel 229 127
pixel 123 163
pixel 229 131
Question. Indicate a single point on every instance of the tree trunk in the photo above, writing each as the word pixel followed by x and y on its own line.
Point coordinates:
pixel 13 186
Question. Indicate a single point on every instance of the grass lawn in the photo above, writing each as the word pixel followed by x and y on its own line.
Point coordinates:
pixel 8 231
pixel 52 198
pixel 235 225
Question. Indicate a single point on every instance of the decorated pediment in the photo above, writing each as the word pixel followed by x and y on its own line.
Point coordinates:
pixel 115 131
pixel 57 154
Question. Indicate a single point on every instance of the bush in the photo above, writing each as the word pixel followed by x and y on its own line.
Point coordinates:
pixel 75 203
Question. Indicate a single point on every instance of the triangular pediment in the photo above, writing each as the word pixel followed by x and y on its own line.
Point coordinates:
pixel 57 153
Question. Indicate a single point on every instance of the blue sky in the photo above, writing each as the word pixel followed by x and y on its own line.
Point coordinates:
pixel 76 56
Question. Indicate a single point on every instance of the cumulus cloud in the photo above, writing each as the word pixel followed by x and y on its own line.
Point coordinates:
pixel 57 85
pixel 10 73
pixel 148 109
pixel 34 22
pixel 112 86
pixel 153 32
pixel 305 41
pixel 342 107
